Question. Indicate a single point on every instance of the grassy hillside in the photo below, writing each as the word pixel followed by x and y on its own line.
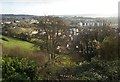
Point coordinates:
pixel 12 43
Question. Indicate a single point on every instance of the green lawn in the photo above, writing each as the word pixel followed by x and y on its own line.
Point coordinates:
pixel 12 43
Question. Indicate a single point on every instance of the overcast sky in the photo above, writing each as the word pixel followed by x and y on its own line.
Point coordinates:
pixel 60 7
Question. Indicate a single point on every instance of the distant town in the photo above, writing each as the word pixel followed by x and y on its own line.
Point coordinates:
pixel 73 21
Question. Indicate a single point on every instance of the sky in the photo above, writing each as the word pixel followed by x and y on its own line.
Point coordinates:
pixel 60 7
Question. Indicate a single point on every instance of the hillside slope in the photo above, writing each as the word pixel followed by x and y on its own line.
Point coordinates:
pixel 14 43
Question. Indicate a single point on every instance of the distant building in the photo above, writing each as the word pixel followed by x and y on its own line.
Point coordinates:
pixel 90 24
pixel 8 22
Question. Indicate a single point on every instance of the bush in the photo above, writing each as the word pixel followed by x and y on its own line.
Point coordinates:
pixel 98 70
pixel 18 69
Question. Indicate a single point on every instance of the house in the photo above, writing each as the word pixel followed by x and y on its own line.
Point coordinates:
pixel 34 32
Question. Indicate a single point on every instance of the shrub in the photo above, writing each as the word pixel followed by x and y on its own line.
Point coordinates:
pixel 18 69
pixel 98 70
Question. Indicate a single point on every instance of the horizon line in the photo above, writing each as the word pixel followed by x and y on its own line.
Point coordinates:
pixel 81 15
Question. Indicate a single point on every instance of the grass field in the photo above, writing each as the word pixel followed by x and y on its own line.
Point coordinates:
pixel 12 43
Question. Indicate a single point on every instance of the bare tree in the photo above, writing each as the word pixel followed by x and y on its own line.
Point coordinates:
pixel 53 29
